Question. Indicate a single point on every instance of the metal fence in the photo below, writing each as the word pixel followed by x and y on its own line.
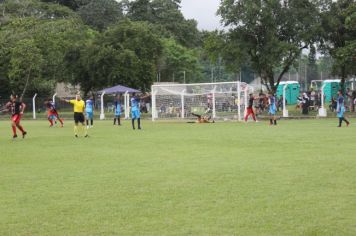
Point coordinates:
pixel 65 109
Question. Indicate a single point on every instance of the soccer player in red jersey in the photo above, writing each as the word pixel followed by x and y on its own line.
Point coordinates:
pixel 249 110
pixel 52 113
pixel 17 109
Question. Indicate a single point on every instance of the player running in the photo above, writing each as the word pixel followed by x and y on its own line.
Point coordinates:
pixel 89 112
pixel 272 109
pixel 341 109
pixel 249 110
pixel 78 107
pixel 17 109
pixel 52 113
pixel 117 110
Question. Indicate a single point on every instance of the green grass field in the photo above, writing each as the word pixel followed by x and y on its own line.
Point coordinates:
pixel 179 179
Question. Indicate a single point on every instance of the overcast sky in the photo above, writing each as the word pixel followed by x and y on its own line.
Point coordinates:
pixel 204 11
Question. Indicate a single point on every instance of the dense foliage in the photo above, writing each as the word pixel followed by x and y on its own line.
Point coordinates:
pixel 99 43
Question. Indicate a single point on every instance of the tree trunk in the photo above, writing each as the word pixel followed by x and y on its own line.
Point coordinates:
pixel 26 84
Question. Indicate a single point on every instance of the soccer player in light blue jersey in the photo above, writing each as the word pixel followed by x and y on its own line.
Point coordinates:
pixel 135 111
pixel 117 110
pixel 89 111
pixel 272 109
pixel 341 109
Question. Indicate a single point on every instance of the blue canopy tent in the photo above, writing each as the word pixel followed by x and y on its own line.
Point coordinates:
pixel 117 90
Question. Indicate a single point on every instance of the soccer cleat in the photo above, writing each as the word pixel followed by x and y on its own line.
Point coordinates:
pixel 86 136
pixel 15 136
pixel 62 125
pixel 76 136
pixel 24 134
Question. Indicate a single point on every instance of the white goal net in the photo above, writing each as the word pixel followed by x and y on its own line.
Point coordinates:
pixel 179 101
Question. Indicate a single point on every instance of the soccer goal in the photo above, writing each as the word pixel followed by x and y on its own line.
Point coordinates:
pixel 224 100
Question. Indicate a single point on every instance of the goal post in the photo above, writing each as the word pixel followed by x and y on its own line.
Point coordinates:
pixel 225 100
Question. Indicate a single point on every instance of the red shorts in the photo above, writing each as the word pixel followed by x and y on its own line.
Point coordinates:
pixel 52 113
pixel 16 118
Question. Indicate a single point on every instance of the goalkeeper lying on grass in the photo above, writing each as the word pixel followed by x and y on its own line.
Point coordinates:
pixel 202 119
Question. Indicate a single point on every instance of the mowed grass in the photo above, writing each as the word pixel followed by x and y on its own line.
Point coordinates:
pixel 298 178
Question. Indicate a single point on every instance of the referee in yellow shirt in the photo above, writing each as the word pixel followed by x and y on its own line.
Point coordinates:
pixel 79 107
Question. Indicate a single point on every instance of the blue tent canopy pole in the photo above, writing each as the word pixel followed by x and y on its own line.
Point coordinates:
pixel 115 90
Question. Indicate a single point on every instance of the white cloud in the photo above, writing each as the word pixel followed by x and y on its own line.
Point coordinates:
pixel 204 11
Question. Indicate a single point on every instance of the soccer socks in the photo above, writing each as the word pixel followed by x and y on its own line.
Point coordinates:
pixel 80 129
pixel 85 131
pixel 343 119
pixel 91 122
pixel 50 121
pixel 60 120
pixel 87 122
pixel 138 123
pixel 133 123
pixel 270 121
pixel 118 121
pixel 20 128
pixel 13 129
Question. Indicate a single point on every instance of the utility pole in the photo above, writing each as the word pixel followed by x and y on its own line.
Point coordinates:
pixel 184 76
pixel 306 75
pixel 212 74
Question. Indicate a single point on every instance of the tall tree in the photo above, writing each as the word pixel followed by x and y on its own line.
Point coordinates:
pixel 11 9
pixel 99 14
pixel 167 18
pixel 270 33
pixel 127 53
pixel 312 72
pixel 178 61
pixel 338 21
pixel 25 65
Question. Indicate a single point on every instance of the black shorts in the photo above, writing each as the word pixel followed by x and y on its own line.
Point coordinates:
pixel 78 117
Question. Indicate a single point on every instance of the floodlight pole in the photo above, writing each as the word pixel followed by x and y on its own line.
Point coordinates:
pixel 182 103
pixel 322 110
pixel 285 111
pixel 102 113
pixel 34 106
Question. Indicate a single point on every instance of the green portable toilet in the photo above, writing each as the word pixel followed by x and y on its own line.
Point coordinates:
pixel 331 88
pixel 292 91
